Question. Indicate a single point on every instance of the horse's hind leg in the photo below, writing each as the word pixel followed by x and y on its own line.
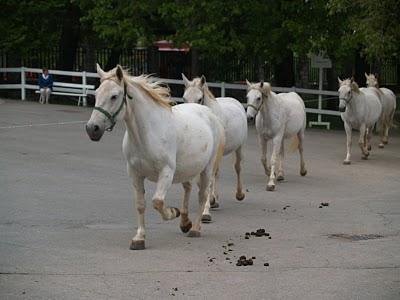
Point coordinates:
pixel 238 158
pixel 204 188
pixel 186 224
pixel 280 176
pixel 163 184
pixel 368 138
pixel 138 240
pixel 303 170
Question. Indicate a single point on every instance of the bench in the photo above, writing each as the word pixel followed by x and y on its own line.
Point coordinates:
pixel 72 89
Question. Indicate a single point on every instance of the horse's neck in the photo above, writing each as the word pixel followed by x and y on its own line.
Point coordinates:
pixel 212 103
pixel 270 108
pixel 356 104
pixel 144 116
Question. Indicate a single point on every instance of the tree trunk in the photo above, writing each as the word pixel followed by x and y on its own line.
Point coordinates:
pixel 69 37
pixel 361 66
pixel 194 63
pixel 284 71
pixel 113 58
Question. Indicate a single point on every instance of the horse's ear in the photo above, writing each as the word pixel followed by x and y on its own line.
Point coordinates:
pixel 119 72
pixel 185 80
pixel 202 80
pixel 248 83
pixel 366 75
pixel 261 84
pixel 100 72
pixel 352 79
pixel 339 80
pixel 376 75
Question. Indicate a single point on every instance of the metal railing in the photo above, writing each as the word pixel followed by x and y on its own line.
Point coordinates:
pixel 23 86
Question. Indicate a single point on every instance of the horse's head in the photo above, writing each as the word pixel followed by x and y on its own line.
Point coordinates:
pixel 371 80
pixel 110 100
pixel 194 90
pixel 255 93
pixel 346 89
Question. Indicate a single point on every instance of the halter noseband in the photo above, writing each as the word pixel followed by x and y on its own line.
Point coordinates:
pixel 347 100
pixel 111 117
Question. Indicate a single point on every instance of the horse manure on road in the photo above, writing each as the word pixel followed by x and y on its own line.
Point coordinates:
pixel 258 233
pixel 323 204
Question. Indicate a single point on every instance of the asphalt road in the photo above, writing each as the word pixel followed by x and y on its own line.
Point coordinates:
pixel 67 218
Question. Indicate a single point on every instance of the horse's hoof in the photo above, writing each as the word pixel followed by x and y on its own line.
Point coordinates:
pixel 206 219
pixel 137 245
pixel 214 205
pixel 186 228
pixel 386 142
pixel 369 148
pixel 240 196
pixel 303 172
pixel 364 157
pixel 177 211
pixel 270 187
pixel 194 233
pixel 347 162
pixel 280 178
pixel 381 145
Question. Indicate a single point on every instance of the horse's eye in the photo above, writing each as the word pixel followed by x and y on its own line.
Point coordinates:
pixel 114 97
pixel 258 98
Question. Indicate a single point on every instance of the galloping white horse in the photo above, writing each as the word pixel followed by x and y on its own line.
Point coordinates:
pixel 278 117
pixel 361 109
pixel 163 144
pixel 233 117
pixel 388 101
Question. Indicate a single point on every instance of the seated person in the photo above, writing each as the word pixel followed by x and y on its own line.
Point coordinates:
pixel 45 86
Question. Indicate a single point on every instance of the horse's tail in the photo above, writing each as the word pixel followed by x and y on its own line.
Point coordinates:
pixel 220 149
pixel 294 144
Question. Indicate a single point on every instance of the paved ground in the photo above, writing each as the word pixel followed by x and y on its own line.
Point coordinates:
pixel 67 217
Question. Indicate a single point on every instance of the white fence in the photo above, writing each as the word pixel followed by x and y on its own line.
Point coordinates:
pixel 23 86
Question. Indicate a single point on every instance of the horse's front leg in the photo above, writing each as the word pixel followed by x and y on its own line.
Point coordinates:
pixel 362 141
pixel 138 240
pixel 348 130
pixel 163 184
pixel 276 147
pixel 263 144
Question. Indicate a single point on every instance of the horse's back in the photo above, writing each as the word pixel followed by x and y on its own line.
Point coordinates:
pixel 374 105
pixel 199 134
pixel 388 100
pixel 295 111
pixel 234 120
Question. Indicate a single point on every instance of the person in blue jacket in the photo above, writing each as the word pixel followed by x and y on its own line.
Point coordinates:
pixel 45 86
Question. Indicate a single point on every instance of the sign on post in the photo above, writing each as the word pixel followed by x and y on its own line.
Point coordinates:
pixel 320 62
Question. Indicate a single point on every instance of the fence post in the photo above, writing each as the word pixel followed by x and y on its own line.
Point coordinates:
pixel 222 89
pixel 84 103
pixel 23 95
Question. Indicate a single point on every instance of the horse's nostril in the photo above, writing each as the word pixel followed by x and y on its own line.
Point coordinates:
pixel 96 128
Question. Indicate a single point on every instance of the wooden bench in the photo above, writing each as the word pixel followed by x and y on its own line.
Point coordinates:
pixel 71 89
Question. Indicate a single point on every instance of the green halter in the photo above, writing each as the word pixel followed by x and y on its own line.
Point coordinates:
pixel 111 117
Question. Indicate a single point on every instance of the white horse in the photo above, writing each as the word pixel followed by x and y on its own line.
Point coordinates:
pixel 388 100
pixel 361 109
pixel 278 117
pixel 162 144
pixel 233 117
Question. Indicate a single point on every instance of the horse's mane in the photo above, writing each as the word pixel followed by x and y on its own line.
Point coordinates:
pixel 159 94
pixel 354 86
pixel 197 82
pixel 265 89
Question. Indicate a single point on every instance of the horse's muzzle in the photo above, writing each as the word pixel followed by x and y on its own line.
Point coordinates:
pixel 94 131
pixel 250 119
